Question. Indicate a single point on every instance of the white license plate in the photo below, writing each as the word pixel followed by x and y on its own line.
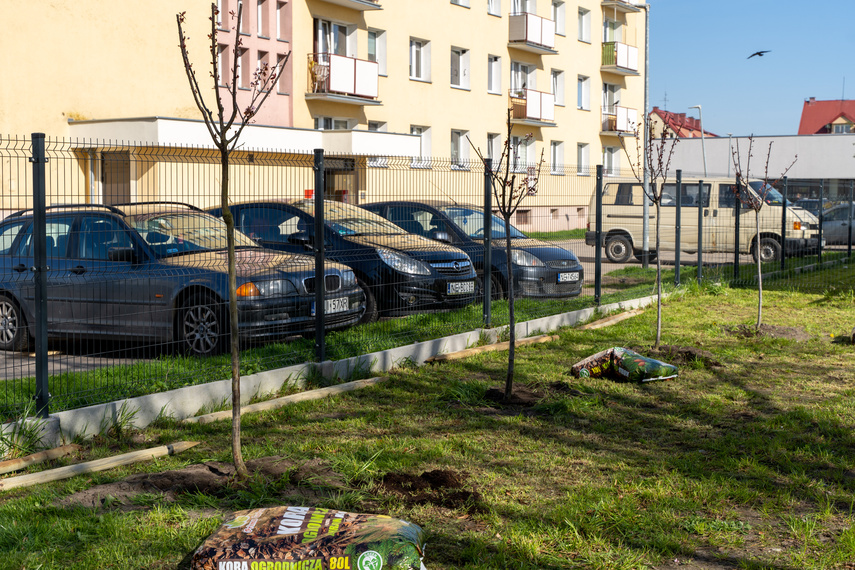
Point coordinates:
pixel 334 305
pixel 571 277
pixel 461 288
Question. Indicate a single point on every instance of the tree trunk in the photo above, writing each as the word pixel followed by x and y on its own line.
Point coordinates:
pixel 658 282
pixel 237 455
pixel 759 270
pixel 509 381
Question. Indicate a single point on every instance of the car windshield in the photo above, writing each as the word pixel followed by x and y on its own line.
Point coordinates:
pixel 176 233
pixel 347 220
pixel 471 222
pixel 769 193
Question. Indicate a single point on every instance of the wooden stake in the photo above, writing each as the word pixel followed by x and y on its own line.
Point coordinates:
pixel 23 462
pixel 610 320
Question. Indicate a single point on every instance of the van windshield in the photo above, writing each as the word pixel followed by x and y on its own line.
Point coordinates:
pixel 769 193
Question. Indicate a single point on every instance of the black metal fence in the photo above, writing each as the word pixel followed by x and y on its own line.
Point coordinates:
pixel 114 275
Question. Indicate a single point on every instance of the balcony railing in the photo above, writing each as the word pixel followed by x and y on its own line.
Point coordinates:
pixel 531 105
pixel 532 33
pixel 617 119
pixel 620 57
pixel 339 75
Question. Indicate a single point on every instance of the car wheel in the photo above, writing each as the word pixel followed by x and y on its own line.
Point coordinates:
pixel 202 326
pixel 770 250
pixel 13 326
pixel 370 314
pixel 618 249
pixel 497 292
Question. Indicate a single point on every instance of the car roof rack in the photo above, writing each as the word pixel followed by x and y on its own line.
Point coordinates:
pixel 163 202
pixel 112 209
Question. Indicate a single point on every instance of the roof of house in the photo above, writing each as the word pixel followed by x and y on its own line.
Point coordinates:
pixel 816 115
pixel 680 124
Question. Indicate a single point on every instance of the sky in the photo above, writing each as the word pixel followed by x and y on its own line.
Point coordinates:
pixel 699 56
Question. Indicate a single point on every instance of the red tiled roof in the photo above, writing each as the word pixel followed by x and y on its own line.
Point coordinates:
pixel 816 115
pixel 680 124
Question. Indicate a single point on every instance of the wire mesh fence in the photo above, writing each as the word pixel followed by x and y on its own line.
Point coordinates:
pixel 125 257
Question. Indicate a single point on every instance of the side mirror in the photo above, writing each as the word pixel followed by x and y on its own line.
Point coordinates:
pixel 440 236
pixel 125 254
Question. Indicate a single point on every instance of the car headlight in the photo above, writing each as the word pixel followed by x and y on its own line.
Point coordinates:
pixel 403 263
pixel 348 279
pixel 272 288
pixel 525 259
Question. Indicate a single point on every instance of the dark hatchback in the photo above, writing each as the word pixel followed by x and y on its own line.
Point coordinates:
pixel 400 273
pixel 540 269
pixel 159 271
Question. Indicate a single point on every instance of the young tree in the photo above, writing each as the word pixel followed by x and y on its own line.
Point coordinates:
pixel 655 159
pixel 225 128
pixel 510 187
pixel 755 197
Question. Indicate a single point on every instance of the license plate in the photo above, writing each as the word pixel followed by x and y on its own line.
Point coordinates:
pixel 461 288
pixel 334 305
pixel 571 277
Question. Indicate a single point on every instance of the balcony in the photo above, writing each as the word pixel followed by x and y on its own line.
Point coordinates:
pixel 361 5
pixel 532 108
pixel 619 121
pixel 620 58
pixel 342 79
pixel 620 6
pixel 532 33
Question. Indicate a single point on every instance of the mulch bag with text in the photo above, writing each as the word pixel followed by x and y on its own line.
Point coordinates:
pixel 311 538
pixel 623 364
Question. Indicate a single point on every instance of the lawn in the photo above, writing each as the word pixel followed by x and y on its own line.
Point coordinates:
pixel 746 460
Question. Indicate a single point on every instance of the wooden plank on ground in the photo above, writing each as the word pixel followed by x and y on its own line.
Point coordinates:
pixel 610 320
pixel 490 348
pixel 94 466
pixel 285 400
pixel 23 462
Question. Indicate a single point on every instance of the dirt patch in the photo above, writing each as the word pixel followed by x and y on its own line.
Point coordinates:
pixel 210 478
pixel 521 396
pixel 439 487
pixel 771 331
pixel 677 355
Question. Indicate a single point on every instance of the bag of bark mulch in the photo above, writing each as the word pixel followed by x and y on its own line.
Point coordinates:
pixel 311 538
pixel 623 364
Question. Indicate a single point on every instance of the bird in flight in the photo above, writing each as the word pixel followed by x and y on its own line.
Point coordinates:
pixel 760 53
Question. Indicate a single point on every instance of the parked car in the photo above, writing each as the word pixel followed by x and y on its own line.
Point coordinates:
pixel 399 272
pixel 540 269
pixel 836 226
pixel 813 205
pixel 159 271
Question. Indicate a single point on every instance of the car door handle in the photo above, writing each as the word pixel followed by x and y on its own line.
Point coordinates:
pixel 20 268
pixel 79 270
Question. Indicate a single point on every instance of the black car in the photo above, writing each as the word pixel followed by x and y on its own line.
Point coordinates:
pixel 159 271
pixel 540 269
pixel 399 272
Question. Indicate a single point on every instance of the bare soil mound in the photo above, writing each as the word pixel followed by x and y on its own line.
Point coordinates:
pixel 772 331
pixel 677 355
pixel 442 488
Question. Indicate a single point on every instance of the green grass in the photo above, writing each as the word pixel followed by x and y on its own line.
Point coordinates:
pixel 748 465
pixel 559 235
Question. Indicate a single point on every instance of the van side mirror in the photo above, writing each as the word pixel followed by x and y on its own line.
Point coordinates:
pixel 440 236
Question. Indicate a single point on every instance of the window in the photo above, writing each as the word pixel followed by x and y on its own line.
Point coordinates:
pixel 611 31
pixel 459 150
pixel 582 159
pixel 263 19
pixel 244 18
pixel 377 49
pixel 556 157
pixel 419 59
pixel 464 3
pixel 460 68
pixel 280 84
pixel 522 78
pixel 423 160
pixel 97 236
pixel 611 160
pixel 523 217
pixel 331 123
pixel 281 20
pixel 523 7
pixel 494 7
pixel 223 66
pixel 558 86
pixel 262 61
pixel 611 98
pixel 844 128
pixel 494 74
pixel 558 16
pixel 222 23
pixel 330 37
pixel 520 148
pixel 243 75
pixel 494 146
pixel 583 93
pixel 584 25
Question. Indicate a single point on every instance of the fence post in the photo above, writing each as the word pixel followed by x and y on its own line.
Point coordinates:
pixel 821 220
pixel 320 285
pixel 488 242
pixel 700 230
pixel 598 233
pixel 678 218
pixel 737 211
pixel 784 228
pixel 849 237
pixel 40 270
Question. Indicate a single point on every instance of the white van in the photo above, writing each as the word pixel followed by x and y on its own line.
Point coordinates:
pixel 623 219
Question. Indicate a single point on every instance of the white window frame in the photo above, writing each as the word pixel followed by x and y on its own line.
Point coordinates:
pixel 559 17
pixel 460 63
pixel 419 59
pixel 262 24
pixel 584 25
pixel 494 147
pixel 494 74
pixel 335 37
pixel 281 11
pixel 583 159
pixel 280 57
pixel 558 86
pixel 243 73
pixel 841 128
pixel 523 7
pixel 464 3
pixel 379 49
pixel 520 150
pixel 556 158
pixel 459 150
pixel 612 31
pixel 611 161
pixel 423 160
pixel 223 66
pixel 611 96
pixel 494 7
pixel 325 123
pixel 522 76
pixel 583 93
